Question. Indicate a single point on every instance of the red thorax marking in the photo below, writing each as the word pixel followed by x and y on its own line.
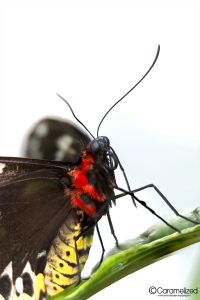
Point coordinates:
pixel 81 185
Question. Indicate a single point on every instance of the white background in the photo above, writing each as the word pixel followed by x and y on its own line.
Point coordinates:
pixel 92 52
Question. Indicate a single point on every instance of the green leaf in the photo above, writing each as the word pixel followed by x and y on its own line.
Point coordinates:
pixel 152 245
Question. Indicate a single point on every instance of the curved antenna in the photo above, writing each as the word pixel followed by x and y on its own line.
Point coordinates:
pixel 75 115
pixel 155 59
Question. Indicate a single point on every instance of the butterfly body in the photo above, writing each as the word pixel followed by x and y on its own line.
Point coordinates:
pixel 89 200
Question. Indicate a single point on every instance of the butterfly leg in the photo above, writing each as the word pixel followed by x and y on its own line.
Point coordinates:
pixel 83 233
pixel 100 238
pixel 112 228
pixel 146 206
pixel 82 245
pixel 102 245
pixel 124 174
pixel 162 196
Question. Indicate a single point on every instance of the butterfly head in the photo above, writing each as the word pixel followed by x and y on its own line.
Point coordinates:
pixel 100 149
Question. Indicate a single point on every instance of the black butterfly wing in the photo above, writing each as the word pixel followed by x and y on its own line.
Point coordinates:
pixel 55 140
pixel 32 208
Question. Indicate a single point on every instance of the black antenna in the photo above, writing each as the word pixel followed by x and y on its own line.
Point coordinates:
pixel 155 59
pixel 75 115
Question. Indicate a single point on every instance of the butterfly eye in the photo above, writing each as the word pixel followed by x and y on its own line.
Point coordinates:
pixel 104 141
pixel 94 147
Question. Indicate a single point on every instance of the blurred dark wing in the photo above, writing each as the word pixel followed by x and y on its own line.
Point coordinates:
pixel 32 208
pixel 56 140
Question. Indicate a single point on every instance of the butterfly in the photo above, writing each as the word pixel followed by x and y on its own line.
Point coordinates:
pixel 44 206
pixel 50 206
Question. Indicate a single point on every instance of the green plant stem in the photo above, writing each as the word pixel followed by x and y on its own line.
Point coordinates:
pixel 151 246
